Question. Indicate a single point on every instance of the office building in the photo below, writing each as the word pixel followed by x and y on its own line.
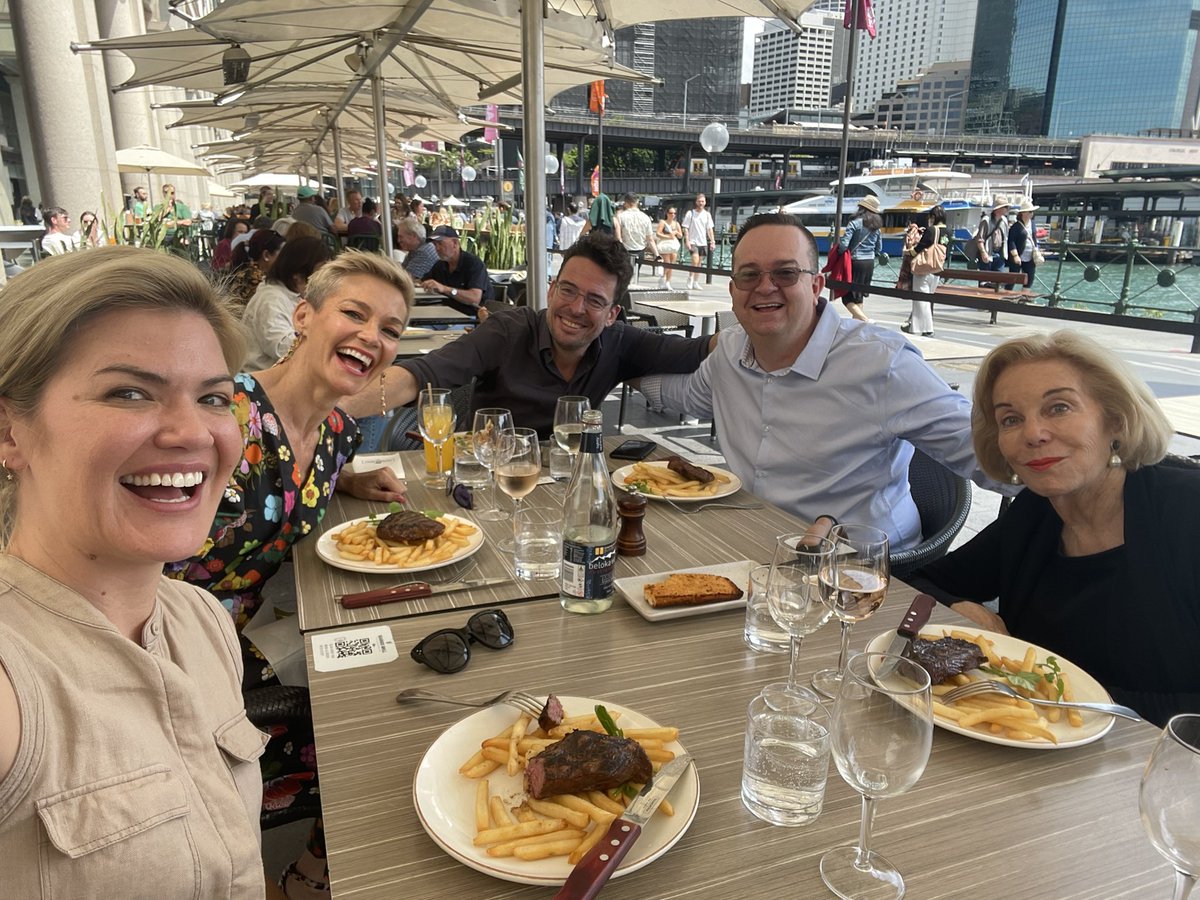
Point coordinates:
pixel 931 103
pixel 912 37
pixel 1067 68
pixel 697 58
pixel 793 70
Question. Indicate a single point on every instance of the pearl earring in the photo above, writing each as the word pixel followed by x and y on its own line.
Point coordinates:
pixel 1114 461
pixel 1014 478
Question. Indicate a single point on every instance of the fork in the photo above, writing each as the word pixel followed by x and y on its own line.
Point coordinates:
pixel 692 508
pixel 999 687
pixel 527 703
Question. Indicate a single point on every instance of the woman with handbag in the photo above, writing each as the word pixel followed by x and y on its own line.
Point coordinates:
pixel 862 240
pixel 1023 252
pixel 926 250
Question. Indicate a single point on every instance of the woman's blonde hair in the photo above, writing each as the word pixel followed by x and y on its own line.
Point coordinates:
pixel 46 308
pixel 1142 429
pixel 329 277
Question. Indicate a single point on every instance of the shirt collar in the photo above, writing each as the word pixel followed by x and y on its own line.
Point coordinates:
pixel 812 358
pixel 545 344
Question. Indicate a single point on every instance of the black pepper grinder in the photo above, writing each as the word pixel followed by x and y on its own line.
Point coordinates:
pixel 631 541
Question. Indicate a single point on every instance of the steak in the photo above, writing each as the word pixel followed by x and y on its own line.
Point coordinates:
pixel 409 527
pixel 552 714
pixel 947 657
pixel 692 473
pixel 586 761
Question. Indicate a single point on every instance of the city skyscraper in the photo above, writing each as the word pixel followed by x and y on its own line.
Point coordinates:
pixel 794 70
pixel 1066 68
pixel 913 35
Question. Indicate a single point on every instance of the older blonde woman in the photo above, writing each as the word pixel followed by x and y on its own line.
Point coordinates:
pixel 128 767
pixel 1097 558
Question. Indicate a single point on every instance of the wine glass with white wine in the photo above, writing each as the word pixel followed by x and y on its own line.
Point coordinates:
pixel 568 421
pixel 794 594
pixel 1169 799
pixel 858 582
pixel 519 472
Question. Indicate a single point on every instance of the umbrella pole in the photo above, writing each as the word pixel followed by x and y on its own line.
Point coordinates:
pixel 534 111
pixel 337 163
pixel 381 159
pixel 835 232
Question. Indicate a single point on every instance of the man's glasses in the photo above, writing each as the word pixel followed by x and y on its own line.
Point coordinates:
pixel 448 650
pixel 571 293
pixel 748 279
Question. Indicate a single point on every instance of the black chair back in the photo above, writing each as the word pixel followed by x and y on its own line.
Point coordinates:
pixel 943 501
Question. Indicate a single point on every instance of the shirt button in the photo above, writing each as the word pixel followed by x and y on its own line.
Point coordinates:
pixel 766 429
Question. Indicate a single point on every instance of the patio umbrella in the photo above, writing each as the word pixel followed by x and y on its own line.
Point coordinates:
pixel 152 161
pixel 216 189
pixel 277 179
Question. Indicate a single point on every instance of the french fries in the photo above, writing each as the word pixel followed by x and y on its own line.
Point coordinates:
pixel 1001 715
pixel 566 825
pixel 360 543
pixel 662 482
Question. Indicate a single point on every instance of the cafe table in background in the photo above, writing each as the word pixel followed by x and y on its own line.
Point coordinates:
pixel 983 820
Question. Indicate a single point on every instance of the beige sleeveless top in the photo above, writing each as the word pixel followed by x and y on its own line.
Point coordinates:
pixel 136 775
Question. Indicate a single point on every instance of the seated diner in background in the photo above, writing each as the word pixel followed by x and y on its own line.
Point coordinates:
pixel 1097 558
pixel 252 259
pixel 268 315
pixel 815 412
pixel 525 359
pixel 460 277
pixel 296 443
pixel 128 767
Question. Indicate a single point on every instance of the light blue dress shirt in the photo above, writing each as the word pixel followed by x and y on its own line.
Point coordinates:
pixel 833 433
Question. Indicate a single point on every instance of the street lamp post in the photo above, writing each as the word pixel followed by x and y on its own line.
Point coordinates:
pixel 946 111
pixel 714 138
pixel 687 81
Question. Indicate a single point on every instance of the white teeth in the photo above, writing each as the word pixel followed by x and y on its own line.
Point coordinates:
pixel 167 479
pixel 357 354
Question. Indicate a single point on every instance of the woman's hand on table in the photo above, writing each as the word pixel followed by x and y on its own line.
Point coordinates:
pixel 378 484
pixel 980 615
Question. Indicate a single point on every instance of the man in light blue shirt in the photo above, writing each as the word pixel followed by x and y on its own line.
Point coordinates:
pixel 816 413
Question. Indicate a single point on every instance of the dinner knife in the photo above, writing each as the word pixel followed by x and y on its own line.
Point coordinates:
pixel 910 628
pixel 593 871
pixel 412 590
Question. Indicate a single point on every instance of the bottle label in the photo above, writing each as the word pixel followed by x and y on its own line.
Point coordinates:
pixel 587 570
pixel 591 442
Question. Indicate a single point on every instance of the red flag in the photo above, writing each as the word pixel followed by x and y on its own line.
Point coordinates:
pixel 866 16
pixel 493 115
pixel 597 97
pixel 596 182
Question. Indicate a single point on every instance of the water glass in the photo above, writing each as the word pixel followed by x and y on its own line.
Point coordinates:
pixel 1169 799
pixel 762 632
pixel 468 469
pixel 537 542
pixel 786 761
pixel 562 464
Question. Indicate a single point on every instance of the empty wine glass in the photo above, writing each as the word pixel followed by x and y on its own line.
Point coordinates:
pixel 568 421
pixel 859 578
pixel 794 589
pixel 1169 799
pixel 436 419
pixel 881 732
pixel 518 472
pixel 487 437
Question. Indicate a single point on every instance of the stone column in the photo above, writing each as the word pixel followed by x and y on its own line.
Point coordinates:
pixel 66 96
pixel 133 122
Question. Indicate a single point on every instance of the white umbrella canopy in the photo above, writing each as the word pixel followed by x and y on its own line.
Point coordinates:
pixel 614 14
pixel 277 179
pixel 153 161
pixel 216 189
pixel 451 200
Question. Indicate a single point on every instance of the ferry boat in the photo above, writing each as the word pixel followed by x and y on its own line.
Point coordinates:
pixel 904 195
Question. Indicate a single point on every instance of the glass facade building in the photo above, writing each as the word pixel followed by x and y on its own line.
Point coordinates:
pixel 1066 68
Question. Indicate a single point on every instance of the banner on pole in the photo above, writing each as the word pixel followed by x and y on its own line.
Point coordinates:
pixel 409 174
pixel 597 97
pixel 865 16
pixel 596 182
pixel 493 115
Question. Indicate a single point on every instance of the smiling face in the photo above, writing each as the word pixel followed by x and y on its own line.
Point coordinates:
pixel 132 443
pixel 785 316
pixel 1052 433
pixel 353 336
pixel 580 305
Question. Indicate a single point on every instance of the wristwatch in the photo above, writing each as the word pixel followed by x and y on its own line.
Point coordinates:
pixel 453 292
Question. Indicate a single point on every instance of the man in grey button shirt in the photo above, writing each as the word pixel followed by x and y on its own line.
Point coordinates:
pixel 307 211
pixel 817 413
pixel 525 360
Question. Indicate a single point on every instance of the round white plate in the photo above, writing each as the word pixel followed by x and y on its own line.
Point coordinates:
pixel 723 490
pixel 445 799
pixel 1087 689
pixel 327 550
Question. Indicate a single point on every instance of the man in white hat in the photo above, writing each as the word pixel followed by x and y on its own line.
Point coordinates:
pixel 991 238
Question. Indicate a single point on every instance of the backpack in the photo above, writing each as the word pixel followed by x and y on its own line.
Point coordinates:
pixel 998 237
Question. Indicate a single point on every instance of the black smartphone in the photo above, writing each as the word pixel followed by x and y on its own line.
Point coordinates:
pixel 634 449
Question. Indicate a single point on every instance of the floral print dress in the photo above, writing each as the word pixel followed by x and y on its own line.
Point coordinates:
pixel 268 505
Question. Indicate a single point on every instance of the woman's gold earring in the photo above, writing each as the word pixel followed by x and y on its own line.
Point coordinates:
pixel 1114 461
pixel 1014 478
pixel 8 475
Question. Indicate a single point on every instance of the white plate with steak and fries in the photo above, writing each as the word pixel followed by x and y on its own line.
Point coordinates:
pixel 460 539
pixel 657 481
pixel 633 589
pixel 446 799
pixel 1049 729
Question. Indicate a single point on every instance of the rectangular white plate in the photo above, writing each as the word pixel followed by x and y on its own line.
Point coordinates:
pixel 632 589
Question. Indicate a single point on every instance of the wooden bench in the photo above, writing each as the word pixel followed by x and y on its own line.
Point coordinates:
pixel 995 280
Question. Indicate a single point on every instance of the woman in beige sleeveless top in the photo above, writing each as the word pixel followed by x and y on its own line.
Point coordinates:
pixel 128 767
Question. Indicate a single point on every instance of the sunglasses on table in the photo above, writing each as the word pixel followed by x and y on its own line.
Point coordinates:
pixel 448 650
pixel 748 279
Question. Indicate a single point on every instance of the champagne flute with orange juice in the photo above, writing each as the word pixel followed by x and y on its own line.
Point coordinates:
pixel 436 419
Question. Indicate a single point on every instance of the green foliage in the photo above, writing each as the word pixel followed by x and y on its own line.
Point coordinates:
pixel 496 242
pixel 122 229
pixel 633 160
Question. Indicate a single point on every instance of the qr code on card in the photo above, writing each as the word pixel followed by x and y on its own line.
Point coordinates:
pixel 347 647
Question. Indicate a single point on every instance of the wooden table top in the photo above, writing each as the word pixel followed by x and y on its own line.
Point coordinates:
pixel 438 314
pixel 1184 414
pixel 983 820
pixel 415 343
pixel 674 540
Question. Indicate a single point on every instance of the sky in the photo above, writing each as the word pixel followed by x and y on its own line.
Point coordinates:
pixel 753 27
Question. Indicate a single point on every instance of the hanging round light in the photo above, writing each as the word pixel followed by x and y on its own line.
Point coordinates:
pixel 551 164
pixel 468 173
pixel 420 181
